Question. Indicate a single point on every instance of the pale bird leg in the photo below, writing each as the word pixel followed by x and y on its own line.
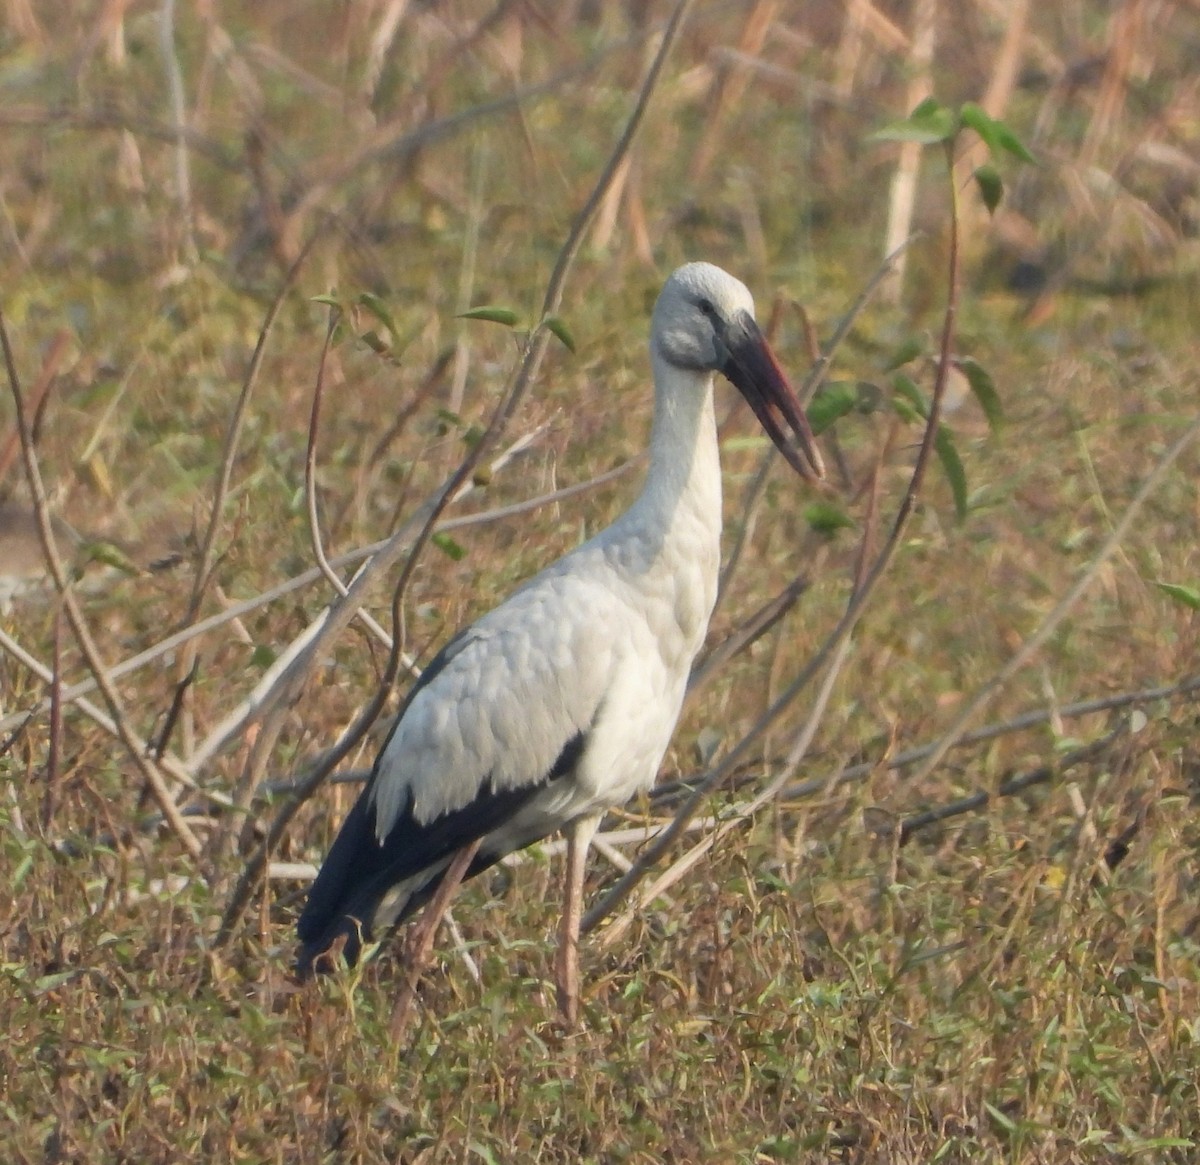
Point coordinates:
pixel 579 837
pixel 419 944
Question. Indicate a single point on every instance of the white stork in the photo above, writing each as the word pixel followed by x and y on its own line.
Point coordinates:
pixel 559 704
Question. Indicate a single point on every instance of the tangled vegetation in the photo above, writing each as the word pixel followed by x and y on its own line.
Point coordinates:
pixel 939 905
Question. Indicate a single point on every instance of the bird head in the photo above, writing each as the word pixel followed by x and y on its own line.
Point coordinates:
pixel 704 322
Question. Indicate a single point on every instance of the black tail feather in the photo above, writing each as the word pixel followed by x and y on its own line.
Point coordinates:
pixel 359 870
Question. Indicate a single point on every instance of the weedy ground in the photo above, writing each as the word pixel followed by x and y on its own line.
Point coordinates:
pixel 1014 983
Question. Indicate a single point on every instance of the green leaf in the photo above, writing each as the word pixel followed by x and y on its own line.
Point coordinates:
pixel 448 546
pixel 984 389
pixel 1140 1144
pixel 20 873
pixel 953 467
pixel 1005 1122
pixel 327 300
pixel 378 309
pixel 1188 596
pixel 263 656
pixel 376 342
pixel 991 186
pixel 835 400
pixel 1013 144
pixel 913 347
pixel 974 116
pixel 870 397
pixel 907 390
pixel 109 555
pixel 493 315
pixel 48 983
pixel 826 518
pixel 995 134
pixel 558 326
pixel 927 124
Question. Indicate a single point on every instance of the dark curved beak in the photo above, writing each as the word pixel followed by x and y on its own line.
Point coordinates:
pixel 752 368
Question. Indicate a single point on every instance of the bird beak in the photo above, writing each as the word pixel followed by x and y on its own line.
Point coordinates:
pixel 752 368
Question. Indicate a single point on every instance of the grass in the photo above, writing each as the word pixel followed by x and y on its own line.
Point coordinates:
pixel 1016 984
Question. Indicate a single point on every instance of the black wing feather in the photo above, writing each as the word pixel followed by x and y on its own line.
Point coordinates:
pixel 360 870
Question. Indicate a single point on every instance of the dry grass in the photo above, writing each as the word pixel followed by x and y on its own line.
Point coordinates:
pixel 1015 984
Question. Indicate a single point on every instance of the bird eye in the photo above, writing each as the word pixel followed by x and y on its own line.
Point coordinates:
pixel 705 305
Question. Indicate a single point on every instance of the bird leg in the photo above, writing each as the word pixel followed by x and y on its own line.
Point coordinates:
pixel 419 943
pixel 579 836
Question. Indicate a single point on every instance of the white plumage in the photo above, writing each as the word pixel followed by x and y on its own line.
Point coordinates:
pixel 559 704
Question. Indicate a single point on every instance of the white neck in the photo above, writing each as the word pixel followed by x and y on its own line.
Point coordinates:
pixel 681 498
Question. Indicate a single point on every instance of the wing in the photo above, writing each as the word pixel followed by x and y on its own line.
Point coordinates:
pixel 513 690
pixel 501 713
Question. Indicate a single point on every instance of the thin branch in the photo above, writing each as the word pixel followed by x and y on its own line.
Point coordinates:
pixel 748 632
pixel 1022 723
pixel 111 117
pixel 813 380
pixel 168 762
pixel 310 487
pixel 1012 785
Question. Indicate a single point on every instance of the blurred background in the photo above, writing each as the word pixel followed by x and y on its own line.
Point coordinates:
pixel 167 168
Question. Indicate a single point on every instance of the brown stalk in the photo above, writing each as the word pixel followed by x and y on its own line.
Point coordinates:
pixel 159 747
pixel 38 397
pixel 730 87
pixel 54 752
pixel 1123 32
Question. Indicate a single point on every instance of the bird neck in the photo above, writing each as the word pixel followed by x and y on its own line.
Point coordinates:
pixel 682 492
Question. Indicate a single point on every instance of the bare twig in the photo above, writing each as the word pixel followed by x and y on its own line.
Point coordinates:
pixel 167 762
pixel 1022 723
pixel 54 752
pixel 808 389
pixel 111 117
pixel 310 486
pixel 38 396
pixel 1010 786
pixel 748 632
